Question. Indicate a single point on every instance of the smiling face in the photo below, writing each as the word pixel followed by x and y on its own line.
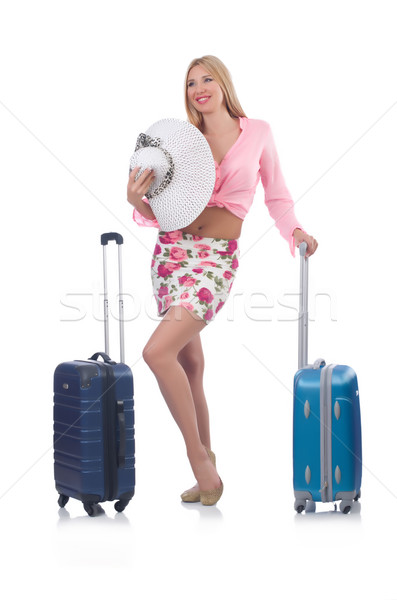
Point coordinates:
pixel 201 84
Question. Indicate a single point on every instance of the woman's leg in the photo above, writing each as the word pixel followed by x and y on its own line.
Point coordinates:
pixel 176 329
pixel 191 357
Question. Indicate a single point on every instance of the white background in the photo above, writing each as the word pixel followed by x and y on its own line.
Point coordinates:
pixel 79 81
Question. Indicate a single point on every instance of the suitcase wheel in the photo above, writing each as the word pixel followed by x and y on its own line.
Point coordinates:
pixel 92 509
pixel 307 505
pixel 300 505
pixel 120 505
pixel 358 496
pixel 345 506
pixel 62 500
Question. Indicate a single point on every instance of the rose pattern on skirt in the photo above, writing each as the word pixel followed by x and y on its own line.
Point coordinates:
pixel 193 271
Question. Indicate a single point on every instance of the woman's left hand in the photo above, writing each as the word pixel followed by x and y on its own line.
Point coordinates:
pixel 300 236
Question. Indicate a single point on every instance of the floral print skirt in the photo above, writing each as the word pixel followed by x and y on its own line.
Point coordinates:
pixel 193 271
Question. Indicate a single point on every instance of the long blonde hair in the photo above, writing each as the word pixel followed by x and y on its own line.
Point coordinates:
pixel 222 76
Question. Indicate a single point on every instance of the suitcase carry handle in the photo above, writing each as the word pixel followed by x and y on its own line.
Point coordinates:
pixel 303 320
pixel 118 238
pixel 103 355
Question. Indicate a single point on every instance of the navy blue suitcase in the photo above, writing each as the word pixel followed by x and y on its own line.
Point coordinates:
pixel 327 449
pixel 94 438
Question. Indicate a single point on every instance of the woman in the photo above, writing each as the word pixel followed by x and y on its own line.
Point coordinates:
pixel 193 268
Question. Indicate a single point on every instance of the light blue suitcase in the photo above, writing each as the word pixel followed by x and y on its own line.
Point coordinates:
pixel 327 453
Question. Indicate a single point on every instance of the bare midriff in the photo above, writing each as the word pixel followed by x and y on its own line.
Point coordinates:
pixel 216 222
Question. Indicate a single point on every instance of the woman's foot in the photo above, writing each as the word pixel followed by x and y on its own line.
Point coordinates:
pixel 204 470
pixel 211 497
pixel 210 484
pixel 193 493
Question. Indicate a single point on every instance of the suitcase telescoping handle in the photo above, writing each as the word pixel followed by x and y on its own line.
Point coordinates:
pixel 303 319
pixel 105 238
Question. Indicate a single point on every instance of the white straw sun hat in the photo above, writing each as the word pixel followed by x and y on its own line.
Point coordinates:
pixel 184 170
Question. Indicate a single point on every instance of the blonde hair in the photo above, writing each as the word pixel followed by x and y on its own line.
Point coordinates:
pixel 222 76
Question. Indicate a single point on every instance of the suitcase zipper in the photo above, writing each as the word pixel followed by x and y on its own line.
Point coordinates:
pixel 111 433
pixel 109 438
pixel 105 419
pixel 326 432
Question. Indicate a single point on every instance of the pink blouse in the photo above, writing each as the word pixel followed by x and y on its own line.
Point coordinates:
pixel 251 157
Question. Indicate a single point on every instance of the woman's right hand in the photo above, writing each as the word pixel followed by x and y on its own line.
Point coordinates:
pixel 137 189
